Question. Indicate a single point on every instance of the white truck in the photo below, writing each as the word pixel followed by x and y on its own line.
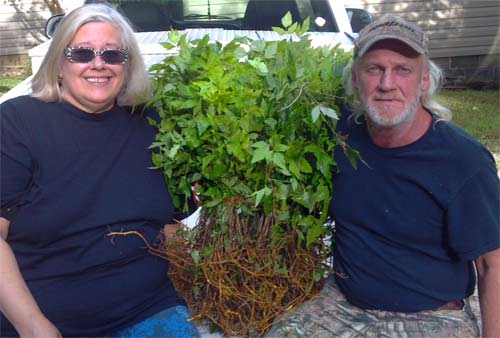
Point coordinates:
pixel 332 22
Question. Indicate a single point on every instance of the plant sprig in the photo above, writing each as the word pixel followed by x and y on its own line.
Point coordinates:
pixel 252 121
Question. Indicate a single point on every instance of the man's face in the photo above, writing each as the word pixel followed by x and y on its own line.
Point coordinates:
pixel 391 78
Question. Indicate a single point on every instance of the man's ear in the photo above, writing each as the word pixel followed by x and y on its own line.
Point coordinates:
pixel 354 79
pixel 426 82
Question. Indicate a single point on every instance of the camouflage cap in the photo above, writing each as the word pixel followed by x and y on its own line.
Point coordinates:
pixel 390 26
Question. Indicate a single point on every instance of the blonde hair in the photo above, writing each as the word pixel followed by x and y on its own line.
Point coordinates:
pixel 436 78
pixel 136 86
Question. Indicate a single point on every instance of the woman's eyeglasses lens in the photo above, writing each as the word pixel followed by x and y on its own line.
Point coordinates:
pixel 86 55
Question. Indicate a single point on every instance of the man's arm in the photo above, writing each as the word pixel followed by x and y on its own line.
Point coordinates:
pixel 16 301
pixel 488 273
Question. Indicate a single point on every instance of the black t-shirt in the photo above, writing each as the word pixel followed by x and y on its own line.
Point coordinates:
pixel 69 178
pixel 410 221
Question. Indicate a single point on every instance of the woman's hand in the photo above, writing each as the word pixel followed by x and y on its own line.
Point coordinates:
pixel 170 231
pixel 42 327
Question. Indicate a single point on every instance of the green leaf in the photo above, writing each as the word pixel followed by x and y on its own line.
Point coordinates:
pixel 258 45
pixel 315 232
pixel 271 50
pixel 323 160
pixel 207 160
pixel 282 191
pixel 321 194
pixel 202 124
pixel 259 66
pixel 168 87
pixel 306 24
pixel 293 28
pixel 173 151
pixel 260 194
pixel 267 202
pixel 240 52
pixel 318 275
pixel 279 30
pixel 236 150
pixel 329 112
pixel 304 165
pixel 286 21
pixel 280 270
pixel 279 160
pixel 316 112
pixel 174 36
pixel 294 168
pixel 280 147
pixel 208 251
pixel 300 237
pixel 353 156
pixel 262 152
pixel 195 255
pixel 271 122
pixel 153 122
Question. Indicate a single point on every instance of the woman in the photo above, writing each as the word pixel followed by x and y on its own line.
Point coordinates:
pixel 74 168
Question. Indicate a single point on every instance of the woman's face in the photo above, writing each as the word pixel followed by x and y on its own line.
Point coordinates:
pixel 94 86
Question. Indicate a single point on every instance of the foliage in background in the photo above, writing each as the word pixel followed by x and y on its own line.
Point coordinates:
pixel 251 124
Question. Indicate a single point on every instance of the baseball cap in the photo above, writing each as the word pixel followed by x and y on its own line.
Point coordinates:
pixel 390 26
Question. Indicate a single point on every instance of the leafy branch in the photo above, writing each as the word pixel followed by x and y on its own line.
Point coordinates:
pixel 252 125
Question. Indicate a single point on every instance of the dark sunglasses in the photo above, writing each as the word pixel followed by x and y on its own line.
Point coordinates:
pixel 111 56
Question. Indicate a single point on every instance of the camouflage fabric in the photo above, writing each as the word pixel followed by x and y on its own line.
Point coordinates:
pixel 330 315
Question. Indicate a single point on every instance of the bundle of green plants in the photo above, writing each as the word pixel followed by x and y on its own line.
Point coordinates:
pixel 251 125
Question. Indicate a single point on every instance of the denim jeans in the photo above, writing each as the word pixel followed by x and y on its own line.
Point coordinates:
pixel 172 322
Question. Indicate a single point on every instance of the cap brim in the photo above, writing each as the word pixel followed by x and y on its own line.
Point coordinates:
pixel 361 51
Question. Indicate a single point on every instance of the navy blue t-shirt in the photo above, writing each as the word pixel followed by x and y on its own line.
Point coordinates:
pixel 68 179
pixel 411 220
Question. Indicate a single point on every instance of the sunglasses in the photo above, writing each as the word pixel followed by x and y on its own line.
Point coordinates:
pixel 110 56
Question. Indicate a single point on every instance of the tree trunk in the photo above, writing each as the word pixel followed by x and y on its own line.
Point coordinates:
pixel 54 7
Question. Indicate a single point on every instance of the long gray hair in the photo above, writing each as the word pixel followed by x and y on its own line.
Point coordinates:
pixel 436 78
pixel 136 86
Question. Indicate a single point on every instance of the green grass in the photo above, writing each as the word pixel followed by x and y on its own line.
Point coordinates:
pixel 476 111
pixel 7 83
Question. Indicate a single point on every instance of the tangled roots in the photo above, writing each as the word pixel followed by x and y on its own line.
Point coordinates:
pixel 236 277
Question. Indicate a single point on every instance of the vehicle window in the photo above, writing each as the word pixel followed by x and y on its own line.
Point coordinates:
pixel 359 18
pixel 155 15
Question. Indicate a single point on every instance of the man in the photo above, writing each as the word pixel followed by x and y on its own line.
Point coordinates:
pixel 417 219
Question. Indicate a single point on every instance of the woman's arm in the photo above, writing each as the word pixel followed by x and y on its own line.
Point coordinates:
pixel 488 275
pixel 16 300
